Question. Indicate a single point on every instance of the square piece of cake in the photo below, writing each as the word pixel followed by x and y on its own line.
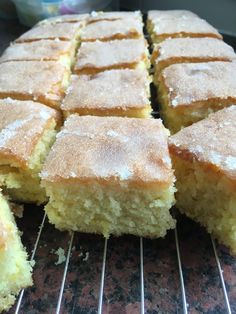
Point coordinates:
pixel 110 175
pixel 61 31
pixel 27 130
pixel 110 93
pixel 42 81
pixel 204 158
pixel 107 30
pixel 188 92
pixel 42 50
pixel 156 16
pixel 99 56
pixel 116 15
pixel 15 270
pixel 179 27
pixel 183 50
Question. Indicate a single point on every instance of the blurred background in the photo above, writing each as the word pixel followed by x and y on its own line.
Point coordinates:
pixel 220 13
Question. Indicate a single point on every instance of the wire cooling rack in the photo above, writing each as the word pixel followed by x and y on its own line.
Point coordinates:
pixel 187 272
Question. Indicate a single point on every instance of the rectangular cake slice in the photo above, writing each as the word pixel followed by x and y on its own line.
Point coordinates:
pixel 204 157
pixel 188 92
pixel 61 31
pixel 27 130
pixel 106 30
pixel 15 270
pixel 110 93
pixel 94 57
pixel 110 175
pixel 66 18
pixel 42 50
pixel 42 81
pixel 183 50
pixel 113 16
pixel 182 27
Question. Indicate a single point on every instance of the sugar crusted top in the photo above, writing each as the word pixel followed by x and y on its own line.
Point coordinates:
pixel 67 18
pixel 101 54
pixel 191 82
pixel 156 15
pixel 115 89
pixel 36 50
pixel 106 29
pixel 62 31
pixel 21 124
pixel 188 25
pixel 110 149
pixel 193 48
pixel 32 78
pixel 116 15
pixel 211 141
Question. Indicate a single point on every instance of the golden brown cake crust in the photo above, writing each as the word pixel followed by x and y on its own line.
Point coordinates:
pixel 21 125
pixel 192 48
pixel 118 90
pixel 211 141
pixel 116 15
pixel 115 29
pixel 62 31
pixel 98 56
pixel 32 80
pixel 37 50
pixel 177 27
pixel 190 83
pixel 110 150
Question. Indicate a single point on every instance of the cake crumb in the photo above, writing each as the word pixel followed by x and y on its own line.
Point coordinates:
pixel 86 257
pixel 61 256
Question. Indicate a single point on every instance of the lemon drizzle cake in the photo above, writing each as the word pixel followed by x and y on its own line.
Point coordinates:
pixel 204 158
pixel 42 81
pixel 15 270
pixel 189 50
pixel 94 57
pixel 42 50
pixel 110 93
pixel 27 130
pixel 110 175
pixel 106 30
pixel 188 92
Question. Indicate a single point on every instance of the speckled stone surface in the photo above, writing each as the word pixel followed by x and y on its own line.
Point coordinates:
pixel 122 285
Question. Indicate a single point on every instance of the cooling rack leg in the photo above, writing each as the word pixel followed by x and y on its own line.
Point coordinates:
pixel 221 276
pixel 31 259
pixel 64 274
pixel 142 310
pixel 185 306
pixel 102 278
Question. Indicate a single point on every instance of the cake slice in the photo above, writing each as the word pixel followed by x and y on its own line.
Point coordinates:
pixel 94 57
pixel 61 31
pixel 156 16
pixel 113 16
pixel 188 92
pixel 182 50
pixel 15 270
pixel 182 27
pixel 42 50
pixel 66 18
pixel 204 157
pixel 110 175
pixel 110 93
pixel 27 130
pixel 106 30
pixel 42 81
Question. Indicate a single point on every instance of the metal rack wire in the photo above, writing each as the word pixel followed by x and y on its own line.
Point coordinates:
pixel 185 306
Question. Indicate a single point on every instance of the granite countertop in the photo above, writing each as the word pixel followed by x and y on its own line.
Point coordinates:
pixel 162 288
